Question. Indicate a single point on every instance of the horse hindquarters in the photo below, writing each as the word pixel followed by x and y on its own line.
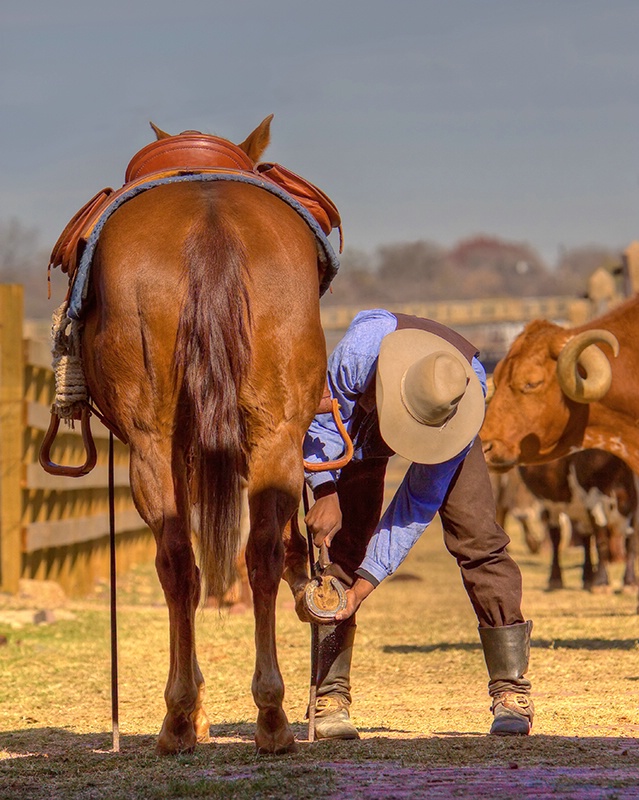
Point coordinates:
pixel 244 384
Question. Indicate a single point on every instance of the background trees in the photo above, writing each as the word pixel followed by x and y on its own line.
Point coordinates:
pixel 475 267
pixel 23 260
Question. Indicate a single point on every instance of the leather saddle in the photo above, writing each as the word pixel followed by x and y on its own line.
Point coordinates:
pixel 188 153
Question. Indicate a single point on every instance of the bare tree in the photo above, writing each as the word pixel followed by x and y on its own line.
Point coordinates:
pixel 487 265
pixel 577 264
pixel 24 261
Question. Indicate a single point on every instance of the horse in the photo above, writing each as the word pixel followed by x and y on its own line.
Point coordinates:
pixel 203 349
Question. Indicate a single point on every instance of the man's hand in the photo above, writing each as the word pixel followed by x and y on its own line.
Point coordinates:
pixel 324 519
pixel 354 598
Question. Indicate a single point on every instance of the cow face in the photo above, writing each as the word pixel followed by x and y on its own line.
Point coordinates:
pixel 529 419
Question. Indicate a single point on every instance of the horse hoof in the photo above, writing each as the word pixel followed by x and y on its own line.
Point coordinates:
pixel 173 747
pixel 173 742
pixel 274 749
pixel 301 608
pixel 600 589
pixel 202 727
pixel 273 733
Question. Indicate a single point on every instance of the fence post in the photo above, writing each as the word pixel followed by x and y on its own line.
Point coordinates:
pixel 11 434
pixel 631 268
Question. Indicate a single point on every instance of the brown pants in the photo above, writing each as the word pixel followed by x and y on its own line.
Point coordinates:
pixel 490 576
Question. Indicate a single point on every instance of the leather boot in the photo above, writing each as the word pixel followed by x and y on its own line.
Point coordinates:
pixel 506 650
pixel 332 719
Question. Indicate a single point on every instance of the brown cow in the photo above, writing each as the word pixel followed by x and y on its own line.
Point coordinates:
pixel 561 390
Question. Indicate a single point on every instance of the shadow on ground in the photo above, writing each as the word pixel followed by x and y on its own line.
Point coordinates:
pixel 233 738
pixel 544 644
pixel 45 763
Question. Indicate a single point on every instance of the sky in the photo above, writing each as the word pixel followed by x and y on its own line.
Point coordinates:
pixel 421 119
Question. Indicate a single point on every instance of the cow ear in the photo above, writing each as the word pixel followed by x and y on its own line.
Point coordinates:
pixel 557 342
pixel 257 142
pixel 159 132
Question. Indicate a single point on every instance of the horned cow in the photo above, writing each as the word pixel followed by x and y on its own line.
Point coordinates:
pixel 558 391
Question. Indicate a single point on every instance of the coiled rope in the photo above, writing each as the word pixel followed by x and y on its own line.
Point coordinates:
pixel 70 385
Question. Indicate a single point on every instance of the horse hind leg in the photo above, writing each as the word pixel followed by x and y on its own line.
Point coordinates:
pixel 274 492
pixel 161 498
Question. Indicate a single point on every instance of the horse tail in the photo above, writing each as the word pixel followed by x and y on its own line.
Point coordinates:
pixel 213 352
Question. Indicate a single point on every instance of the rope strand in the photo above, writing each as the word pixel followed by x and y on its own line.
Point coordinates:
pixel 70 385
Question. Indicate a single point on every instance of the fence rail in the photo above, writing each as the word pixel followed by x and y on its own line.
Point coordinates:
pixel 485 311
pixel 54 527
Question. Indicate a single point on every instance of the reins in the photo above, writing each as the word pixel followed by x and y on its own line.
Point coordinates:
pixel 343 460
pixel 313 565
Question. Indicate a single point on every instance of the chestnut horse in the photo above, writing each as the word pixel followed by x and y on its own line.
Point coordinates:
pixel 203 347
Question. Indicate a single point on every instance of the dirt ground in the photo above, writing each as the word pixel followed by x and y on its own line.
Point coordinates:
pixel 419 687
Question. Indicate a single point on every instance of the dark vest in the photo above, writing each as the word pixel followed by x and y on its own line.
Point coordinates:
pixel 365 427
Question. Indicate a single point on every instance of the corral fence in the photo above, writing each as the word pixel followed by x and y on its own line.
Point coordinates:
pixel 52 527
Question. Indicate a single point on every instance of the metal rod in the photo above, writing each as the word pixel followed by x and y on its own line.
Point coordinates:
pixel 114 624
pixel 312 695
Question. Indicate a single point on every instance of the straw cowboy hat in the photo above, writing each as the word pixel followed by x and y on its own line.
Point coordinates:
pixel 429 400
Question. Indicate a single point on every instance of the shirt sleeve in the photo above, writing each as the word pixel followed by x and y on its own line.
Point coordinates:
pixel 350 366
pixel 411 510
pixel 478 369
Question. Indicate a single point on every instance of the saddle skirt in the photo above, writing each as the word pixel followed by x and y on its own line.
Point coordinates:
pixel 188 154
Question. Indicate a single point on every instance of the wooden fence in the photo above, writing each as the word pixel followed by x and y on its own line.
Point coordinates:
pixel 52 527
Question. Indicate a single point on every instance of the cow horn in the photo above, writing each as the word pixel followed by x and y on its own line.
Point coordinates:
pixel 581 351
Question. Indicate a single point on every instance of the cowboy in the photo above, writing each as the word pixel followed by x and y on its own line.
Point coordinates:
pixel 414 387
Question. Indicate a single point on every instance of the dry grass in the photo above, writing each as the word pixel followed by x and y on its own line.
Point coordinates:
pixel 419 687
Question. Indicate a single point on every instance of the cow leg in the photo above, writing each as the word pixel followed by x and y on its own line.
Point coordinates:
pixel 533 536
pixel 587 572
pixel 600 582
pixel 630 574
pixel 275 482
pixel 161 498
pixel 555 581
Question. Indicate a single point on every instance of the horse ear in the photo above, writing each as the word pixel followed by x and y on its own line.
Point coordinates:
pixel 257 142
pixel 159 132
